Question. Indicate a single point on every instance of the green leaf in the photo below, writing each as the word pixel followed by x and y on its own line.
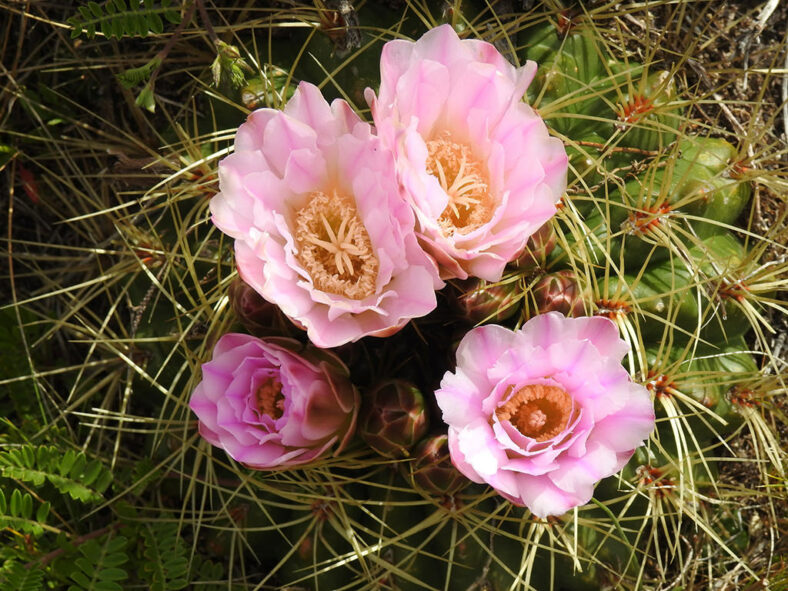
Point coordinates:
pixel 78 467
pixel 145 99
pixel 66 463
pixel 155 23
pixel 16 501
pixel 172 16
pixel 113 574
pixel 117 27
pixel 16 577
pixel 95 9
pixel 43 512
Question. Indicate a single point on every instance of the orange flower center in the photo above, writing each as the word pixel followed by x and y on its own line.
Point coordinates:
pixel 462 177
pixel 537 411
pixel 270 400
pixel 334 247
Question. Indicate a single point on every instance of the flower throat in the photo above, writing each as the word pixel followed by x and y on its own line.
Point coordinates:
pixel 537 411
pixel 461 176
pixel 334 247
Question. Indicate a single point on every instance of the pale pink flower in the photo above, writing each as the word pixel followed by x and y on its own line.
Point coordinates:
pixel 543 413
pixel 321 230
pixel 269 407
pixel 477 164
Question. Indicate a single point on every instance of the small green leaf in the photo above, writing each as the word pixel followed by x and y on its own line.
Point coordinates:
pixel 83 10
pixel 172 16
pixel 117 27
pixel 76 31
pixel 145 99
pixel 43 512
pixel 27 506
pixel 67 462
pixel 112 574
pixel 155 23
pixel 78 467
pixel 95 9
pixel 91 472
pixel 142 25
pixel 106 477
pixel 16 501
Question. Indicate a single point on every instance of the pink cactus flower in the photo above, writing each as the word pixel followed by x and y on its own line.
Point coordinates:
pixel 269 407
pixel 543 413
pixel 477 164
pixel 321 230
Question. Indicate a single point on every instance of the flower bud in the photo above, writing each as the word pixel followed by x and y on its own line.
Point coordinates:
pixel 433 470
pixel 393 418
pixel 259 316
pixel 539 246
pixel 559 292
pixel 480 301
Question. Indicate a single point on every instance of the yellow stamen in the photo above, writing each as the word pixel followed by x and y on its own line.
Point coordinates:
pixel 470 204
pixel 334 247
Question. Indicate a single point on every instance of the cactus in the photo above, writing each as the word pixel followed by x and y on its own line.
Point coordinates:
pixel 656 231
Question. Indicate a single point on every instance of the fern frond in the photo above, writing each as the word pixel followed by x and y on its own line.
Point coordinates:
pixel 98 569
pixel 118 19
pixel 15 577
pixel 71 473
pixel 17 513
pixel 166 567
pixel 134 76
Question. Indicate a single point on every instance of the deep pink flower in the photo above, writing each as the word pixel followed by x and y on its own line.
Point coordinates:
pixel 477 164
pixel 269 407
pixel 321 230
pixel 543 413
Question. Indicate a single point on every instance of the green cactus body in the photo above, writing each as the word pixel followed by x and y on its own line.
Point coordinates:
pixel 647 113
pixel 570 71
pixel 712 374
pixel 318 540
pixel 721 197
pixel 706 378
pixel 671 292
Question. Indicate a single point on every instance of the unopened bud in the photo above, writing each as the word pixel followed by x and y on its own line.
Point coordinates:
pixel 433 470
pixel 559 292
pixel 480 301
pixel 538 247
pixel 259 316
pixel 393 418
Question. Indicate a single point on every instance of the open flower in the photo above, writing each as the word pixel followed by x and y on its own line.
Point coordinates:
pixel 477 164
pixel 269 407
pixel 543 413
pixel 321 230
